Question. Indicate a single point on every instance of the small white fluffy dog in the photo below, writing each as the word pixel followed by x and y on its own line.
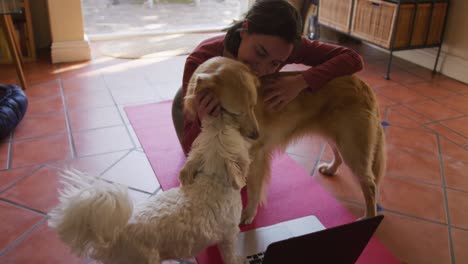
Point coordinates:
pixel 96 218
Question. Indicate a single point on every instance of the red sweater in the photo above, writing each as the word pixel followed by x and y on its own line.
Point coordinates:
pixel 328 62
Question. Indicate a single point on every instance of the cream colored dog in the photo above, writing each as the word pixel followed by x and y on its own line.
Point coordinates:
pixel 345 112
pixel 96 218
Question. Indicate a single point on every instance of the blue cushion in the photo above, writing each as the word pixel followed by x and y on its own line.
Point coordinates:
pixel 13 105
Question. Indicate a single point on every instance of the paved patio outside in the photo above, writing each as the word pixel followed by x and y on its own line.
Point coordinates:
pixel 135 16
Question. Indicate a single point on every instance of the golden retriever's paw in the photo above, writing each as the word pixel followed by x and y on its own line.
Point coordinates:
pixel 327 169
pixel 248 216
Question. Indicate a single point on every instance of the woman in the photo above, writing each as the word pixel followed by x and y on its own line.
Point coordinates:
pixel 266 40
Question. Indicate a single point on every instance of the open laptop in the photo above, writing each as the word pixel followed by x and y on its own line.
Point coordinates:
pixel 305 240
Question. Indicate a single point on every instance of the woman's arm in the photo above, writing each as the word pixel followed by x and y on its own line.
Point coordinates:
pixel 328 61
pixel 205 103
pixel 191 126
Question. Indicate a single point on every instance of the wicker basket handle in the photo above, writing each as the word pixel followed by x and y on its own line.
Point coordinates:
pixel 375 3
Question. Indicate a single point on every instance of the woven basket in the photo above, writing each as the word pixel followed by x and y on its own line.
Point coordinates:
pixel 335 14
pixel 437 23
pixel 374 21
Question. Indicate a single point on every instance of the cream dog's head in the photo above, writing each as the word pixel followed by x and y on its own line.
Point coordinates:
pixel 234 85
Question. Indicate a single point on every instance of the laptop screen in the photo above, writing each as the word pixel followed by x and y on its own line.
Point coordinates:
pixel 340 244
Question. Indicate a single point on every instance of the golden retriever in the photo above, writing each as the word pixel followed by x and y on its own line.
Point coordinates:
pixel 344 112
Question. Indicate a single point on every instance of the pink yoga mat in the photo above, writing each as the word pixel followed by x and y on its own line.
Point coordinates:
pixel 292 193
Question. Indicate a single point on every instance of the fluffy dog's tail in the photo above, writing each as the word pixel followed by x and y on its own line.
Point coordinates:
pixel 91 213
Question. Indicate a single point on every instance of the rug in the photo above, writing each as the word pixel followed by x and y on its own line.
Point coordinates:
pixel 292 192
pixel 152 46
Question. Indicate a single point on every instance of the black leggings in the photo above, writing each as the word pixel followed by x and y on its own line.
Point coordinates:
pixel 178 115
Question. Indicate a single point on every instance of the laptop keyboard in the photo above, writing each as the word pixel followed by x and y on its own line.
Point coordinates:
pixel 255 259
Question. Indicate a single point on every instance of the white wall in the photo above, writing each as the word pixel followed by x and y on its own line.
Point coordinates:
pixel 66 25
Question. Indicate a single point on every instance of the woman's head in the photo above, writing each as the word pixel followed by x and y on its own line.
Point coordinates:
pixel 267 35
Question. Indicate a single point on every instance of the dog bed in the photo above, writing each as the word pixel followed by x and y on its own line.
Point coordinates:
pixel 13 105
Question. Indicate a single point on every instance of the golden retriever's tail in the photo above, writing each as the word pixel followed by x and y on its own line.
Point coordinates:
pixel 91 213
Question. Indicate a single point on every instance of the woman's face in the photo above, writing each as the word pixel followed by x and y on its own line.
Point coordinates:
pixel 263 53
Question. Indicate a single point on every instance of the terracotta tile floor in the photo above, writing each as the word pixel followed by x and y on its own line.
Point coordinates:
pixel 76 119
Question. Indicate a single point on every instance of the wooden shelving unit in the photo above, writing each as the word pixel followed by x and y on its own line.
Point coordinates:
pixel 24 34
pixel 391 24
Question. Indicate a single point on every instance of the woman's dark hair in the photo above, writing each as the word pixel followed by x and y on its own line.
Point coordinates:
pixel 267 17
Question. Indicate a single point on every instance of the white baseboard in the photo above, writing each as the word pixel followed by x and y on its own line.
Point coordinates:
pixel 70 51
pixel 449 65
pixel 424 57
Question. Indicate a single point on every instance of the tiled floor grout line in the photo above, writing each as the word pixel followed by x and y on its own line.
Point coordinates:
pixel 109 181
pixel 384 117
pixel 457 190
pixel 350 201
pixel 405 106
pixel 22 178
pixel 40 136
pixel 447 119
pixel 46 114
pixel 38 82
pixel 430 97
pixel 319 160
pixel 159 189
pixel 67 120
pixel 429 123
pixel 410 128
pixel 23 236
pixel 451 130
pixel 141 150
pixel 446 138
pixel 395 177
pixel 150 84
pixel 81 109
pixel 97 128
pixel 54 165
pixel 10 151
pixel 394 212
pixel 129 134
pixel 22 206
pixel 417 101
pixel 425 116
pixel 414 217
pixel 134 143
pixel 114 163
pixel 447 209
pixel 129 187
pixel 416 181
pixel 460 228
pixel 103 153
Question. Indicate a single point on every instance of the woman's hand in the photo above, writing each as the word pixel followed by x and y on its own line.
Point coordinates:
pixel 280 90
pixel 208 104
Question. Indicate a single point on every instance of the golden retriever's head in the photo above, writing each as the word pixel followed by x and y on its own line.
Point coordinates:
pixel 234 85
